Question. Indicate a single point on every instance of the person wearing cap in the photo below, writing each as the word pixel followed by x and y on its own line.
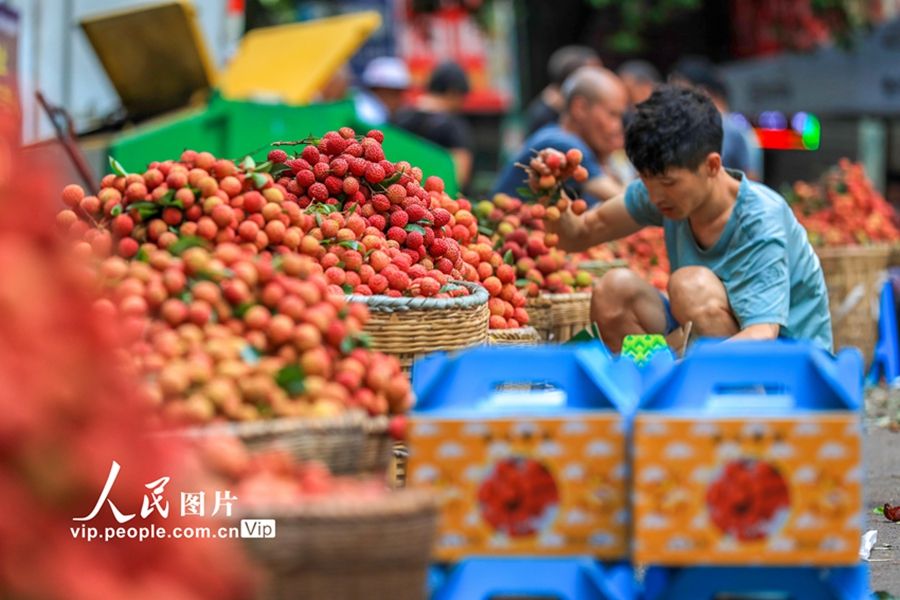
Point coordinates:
pixel 435 117
pixel 385 81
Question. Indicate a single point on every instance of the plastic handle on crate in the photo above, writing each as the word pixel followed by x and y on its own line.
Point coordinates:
pixel 524 395
pixel 750 397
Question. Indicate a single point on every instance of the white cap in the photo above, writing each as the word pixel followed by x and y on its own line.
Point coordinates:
pixel 386 72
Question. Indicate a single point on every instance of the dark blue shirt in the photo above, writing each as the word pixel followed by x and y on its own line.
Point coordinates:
pixel 552 136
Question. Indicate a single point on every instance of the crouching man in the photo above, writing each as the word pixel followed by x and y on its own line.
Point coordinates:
pixel 742 266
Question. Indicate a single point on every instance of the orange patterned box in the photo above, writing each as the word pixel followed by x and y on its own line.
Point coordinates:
pixel 536 485
pixel 752 490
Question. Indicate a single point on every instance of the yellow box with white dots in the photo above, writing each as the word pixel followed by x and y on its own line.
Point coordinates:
pixel 783 490
pixel 525 485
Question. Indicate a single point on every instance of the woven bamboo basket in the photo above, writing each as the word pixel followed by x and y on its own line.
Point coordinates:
pixel 377 448
pixel 521 336
pixel 599 268
pixel 853 275
pixel 348 550
pixel 409 328
pixel 539 315
pixel 338 442
pixel 561 316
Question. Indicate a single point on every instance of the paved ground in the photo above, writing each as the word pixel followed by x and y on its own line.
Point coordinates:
pixel 881 447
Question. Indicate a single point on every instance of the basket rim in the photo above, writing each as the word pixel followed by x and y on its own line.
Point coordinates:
pixel 613 264
pixel 396 502
pixel 872 250
pixel 570 296
pixel 380 303
pixel 351 419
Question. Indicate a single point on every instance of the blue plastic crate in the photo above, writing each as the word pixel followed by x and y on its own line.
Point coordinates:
pixel 752 583
pixel 559 579
pixel 749 454
pixel 527 449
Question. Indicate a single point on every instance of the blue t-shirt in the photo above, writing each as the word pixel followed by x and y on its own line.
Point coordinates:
pixel 763 257
pixel 552 136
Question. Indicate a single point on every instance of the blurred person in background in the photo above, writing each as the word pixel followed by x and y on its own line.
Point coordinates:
pixel 385 81
pixel 595 100
pixel 435 117
pixel 547 107
pixel 640 78
pixel 740 149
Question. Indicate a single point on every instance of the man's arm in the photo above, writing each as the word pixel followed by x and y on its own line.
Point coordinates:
pixel 760 331
pixel 603 187
pixel 603 223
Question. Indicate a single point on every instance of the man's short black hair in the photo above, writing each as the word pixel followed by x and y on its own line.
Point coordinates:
pixel 675 127
pixel 447 78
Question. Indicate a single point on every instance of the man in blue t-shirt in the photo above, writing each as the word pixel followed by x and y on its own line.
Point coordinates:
pixel 742 266
pixel 595 100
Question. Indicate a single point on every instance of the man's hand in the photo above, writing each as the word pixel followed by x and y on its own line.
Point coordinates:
pixel 602 223
pixel 760 331
pixel 570 229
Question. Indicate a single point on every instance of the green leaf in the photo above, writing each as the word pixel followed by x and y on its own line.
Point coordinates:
pixel 414 227
pixel 522 282
pixel 485 230
pixel 168 199
pixel 264 167
pixel 189 241
pixel 248 164
pixel 116 210
pixel 524 192
pixel 142 256
pixel 392 179
pixel 290 378
pixel 250 355
pixel 348 289
pixel 351 244
pixel 242 309
pixel 508 258
pixel 117 167
pixel 354 341
pixel 186 297
pixel 878 510
pixel 352 209
pixel 319 220
pixel 258 180
pixel 145 209
pixel 279 169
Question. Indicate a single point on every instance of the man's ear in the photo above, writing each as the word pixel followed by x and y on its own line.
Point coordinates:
pixel 578 107
pixel 713 163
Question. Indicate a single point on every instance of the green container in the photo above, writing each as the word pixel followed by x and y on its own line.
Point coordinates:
pixel 232 129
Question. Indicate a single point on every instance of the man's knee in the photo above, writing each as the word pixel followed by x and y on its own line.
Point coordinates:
pixel 696 294
pixel 613 294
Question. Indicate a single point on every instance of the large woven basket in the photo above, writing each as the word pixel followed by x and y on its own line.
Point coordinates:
pixel 338 442
pixel 347 550
pixel 560 316
pixel 853 275
pixel 521 336
pixel 409 328
pixel 377 449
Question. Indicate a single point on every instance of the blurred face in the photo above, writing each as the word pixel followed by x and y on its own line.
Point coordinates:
pixel 600 121
pixel 679 192
pixel 392 99
pixel 638 91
